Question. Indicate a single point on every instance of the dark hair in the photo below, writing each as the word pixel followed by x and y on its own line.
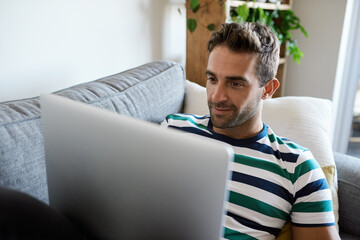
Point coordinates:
pixel 250 38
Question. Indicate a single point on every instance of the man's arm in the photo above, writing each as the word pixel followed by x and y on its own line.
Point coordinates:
pixel 315 233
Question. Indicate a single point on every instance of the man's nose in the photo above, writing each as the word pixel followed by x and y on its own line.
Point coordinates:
pixel 219 93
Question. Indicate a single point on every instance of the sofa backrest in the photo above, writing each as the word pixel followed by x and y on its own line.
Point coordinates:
pixel 149 92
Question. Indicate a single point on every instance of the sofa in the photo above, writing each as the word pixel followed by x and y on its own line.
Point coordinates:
pixel 151 92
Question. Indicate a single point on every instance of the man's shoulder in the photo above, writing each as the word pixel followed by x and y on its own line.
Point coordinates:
pixel 289 150
pixel 183 119
pixel 189 123
pixel 296 159
pixel 285 142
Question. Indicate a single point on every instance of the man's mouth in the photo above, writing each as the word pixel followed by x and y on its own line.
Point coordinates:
pixel 220 109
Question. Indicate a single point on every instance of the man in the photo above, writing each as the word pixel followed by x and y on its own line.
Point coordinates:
pixel 274 180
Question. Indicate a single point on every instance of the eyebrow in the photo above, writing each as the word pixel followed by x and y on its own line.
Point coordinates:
pixel 229 78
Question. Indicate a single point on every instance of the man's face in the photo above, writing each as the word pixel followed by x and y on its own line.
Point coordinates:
pixel 233 90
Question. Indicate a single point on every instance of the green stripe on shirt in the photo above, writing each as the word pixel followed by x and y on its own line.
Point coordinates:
pixel 304 168
pixel 262 164
pixel 182 118
pixel 257 206
pixel 235 235
pixel 300 170
pixel 321 206
pixel 293 145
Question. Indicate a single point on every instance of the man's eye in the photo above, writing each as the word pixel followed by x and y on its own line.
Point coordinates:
pixel 236 84
pixel 211 79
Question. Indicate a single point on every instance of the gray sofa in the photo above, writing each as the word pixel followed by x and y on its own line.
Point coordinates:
pixel 149 92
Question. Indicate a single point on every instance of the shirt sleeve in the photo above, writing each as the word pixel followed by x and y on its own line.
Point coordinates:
pixel 312 205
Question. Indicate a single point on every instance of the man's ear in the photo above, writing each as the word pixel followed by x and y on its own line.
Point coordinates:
pixel 270 88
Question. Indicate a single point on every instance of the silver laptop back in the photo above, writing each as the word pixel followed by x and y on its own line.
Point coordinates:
pixel 118 177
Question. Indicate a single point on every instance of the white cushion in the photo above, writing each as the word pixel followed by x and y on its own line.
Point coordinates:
pixel 305 120
pixel 195 99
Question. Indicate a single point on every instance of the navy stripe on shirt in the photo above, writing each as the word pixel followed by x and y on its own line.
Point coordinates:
pixel 312 187
pixel 313 225
pixel 193 130
pixel 287 157
pixel 263 184
pixel 254 225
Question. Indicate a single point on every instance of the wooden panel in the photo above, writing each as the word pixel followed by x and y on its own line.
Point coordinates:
pixel 196 52
pixel 280 75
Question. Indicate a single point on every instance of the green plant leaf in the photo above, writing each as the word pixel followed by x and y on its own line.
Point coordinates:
pixel 275 13
pixel 194 5
pixel 269 20
pixel 303 31
pixel 297 56
pixel 281 22
pixel 211 27
pixel 262 16
pixel 179 11
pixel 242 12
pixel 236 19
pixel 294 50
pixel 191 24
pixel 253 15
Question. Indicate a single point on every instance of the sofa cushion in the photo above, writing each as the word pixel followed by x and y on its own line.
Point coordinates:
pixel 346 236
pixel 22 165
pixel 349 193
pixel 149 92
pixel 195 101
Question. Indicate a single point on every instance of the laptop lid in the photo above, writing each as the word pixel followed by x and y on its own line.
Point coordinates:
pixel 118 177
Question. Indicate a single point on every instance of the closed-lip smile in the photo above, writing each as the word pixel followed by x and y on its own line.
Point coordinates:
pixel 220 110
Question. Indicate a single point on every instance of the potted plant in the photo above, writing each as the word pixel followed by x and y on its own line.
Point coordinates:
pixel 191 23
pixel 282 22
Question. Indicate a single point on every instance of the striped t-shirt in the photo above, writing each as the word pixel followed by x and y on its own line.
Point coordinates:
pixel 274 181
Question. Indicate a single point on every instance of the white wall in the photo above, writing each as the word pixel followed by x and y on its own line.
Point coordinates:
pixel 347 78
pixel 323 20
pixel 47 45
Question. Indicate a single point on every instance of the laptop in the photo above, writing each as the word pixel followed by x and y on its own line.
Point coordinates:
pixel 117 177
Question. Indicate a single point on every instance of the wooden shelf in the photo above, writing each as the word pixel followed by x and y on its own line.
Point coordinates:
pixel 267 6
pixel 282 61
pixel 281 76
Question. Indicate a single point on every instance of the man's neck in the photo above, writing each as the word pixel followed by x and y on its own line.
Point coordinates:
pixel 247 129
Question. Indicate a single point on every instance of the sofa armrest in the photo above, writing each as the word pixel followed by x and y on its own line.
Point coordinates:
pixel 348 169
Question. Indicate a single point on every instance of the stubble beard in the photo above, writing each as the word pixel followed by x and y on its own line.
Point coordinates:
pixel 237 118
